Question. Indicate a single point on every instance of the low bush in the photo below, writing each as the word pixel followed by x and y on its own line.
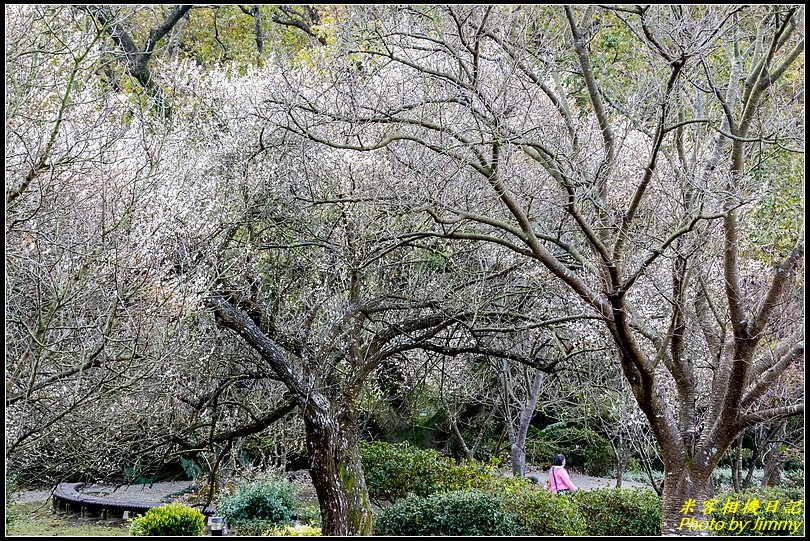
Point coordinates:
pixel 721 478
pixel 793 478
pixel 255 506
pixel 752 511
pixel 395 470
pixel 612 512
pixel 299 530
pixel 11 490
pixel 639 476
pixel 540 512
pixel 171 519
pixel 311 515
pixel 465 512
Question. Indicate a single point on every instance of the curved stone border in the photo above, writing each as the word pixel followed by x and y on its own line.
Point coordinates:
pixel 66 497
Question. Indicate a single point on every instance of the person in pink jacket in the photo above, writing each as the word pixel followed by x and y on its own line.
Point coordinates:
pixel 558 480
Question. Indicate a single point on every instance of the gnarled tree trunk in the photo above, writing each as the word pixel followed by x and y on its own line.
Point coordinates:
pixel 337 474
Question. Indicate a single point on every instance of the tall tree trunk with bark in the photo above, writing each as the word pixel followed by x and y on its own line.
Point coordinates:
pixel 685 490
pixel 332 445
pixel 337 474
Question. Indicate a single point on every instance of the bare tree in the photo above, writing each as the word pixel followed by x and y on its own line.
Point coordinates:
pixel 325 284
pixel 72 284
pixel 100 343
pixel 618 160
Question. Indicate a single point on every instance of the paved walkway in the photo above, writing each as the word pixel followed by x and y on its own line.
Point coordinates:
pixel 160 492
pixel 584 482
pixel 153 493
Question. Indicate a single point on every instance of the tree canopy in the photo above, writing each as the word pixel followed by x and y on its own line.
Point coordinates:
pixel 221 219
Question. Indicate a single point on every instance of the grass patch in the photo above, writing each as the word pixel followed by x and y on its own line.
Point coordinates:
pixel 38 518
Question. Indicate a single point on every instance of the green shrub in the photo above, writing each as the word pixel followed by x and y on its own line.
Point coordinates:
pixel 11 489
pixel 540 512
pixel 721 478
pixel 762 522
pixel 253 527
pixel 465 512
pixel 640 477
pixel 395 470
pixel 613 512
pixel 793 478
pixel 300 530
pixel 171 519
pixel 255 506
pixel 795 463
pixel 310 514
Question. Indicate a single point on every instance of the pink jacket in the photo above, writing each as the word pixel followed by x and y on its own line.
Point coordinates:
pixel 558 480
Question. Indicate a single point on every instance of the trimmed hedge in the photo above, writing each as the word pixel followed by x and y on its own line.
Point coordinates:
pixel 610 511
pixel 464 512
pixel 540 512
pixel 395 470
pixel 761 522
pixel 172 519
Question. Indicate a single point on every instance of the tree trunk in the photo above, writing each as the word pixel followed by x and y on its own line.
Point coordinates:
pixel 354 479
pixel 776 458
pixel 468 453
pixel 685 490
pixel 622 456
pixel 519 444
pixel 338 477
pixel 257 28
pixel 518 461
pixel 772 474
pixel 323 444
pixel 737 464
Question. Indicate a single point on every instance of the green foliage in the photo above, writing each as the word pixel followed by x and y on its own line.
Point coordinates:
pixel 311 515
pixel 775 221
pixel 255 506
pixel 11 488
pixel 465 512
pixel 540 512
pixel 219 36
pixel 793 478
pixel 171 519
pixel 395 470
pixel 610 511
pixel 726 511
pixel 641 476
pixel 721 477
pixel 252 527
pixel 582 447
pixel 300 530
pixel 484 476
